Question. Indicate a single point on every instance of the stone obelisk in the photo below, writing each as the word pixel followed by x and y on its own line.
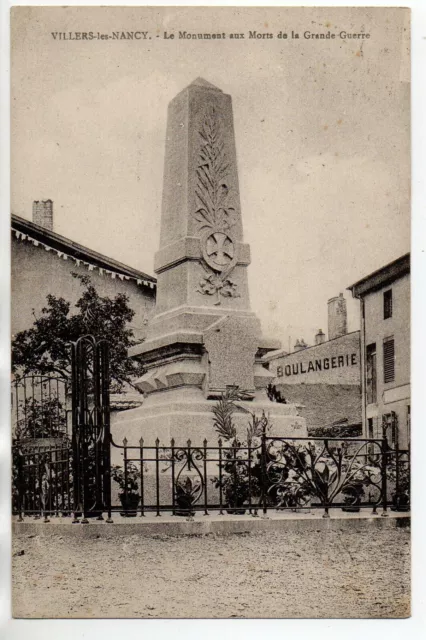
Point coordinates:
pixel 203 336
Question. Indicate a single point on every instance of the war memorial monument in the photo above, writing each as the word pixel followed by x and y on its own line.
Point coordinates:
pixel 203 336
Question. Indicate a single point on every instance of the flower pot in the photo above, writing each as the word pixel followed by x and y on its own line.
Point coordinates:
pixel 93 514
pixel 129 504
pixel 351 508
pixel 400 502
pixel 185 513
pixel 235 510
pixel 184 508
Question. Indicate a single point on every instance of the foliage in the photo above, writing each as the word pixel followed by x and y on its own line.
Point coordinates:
pixel 44 348
pixel 274 394
pixel 236 481
pixel 337 431
pixel 223 411
pixel 187 493
pixel 235 478
pixel 128 482
pixel 41 419
pixel 256 427
pixel 320 471
pixel 40 475
pixel 400 488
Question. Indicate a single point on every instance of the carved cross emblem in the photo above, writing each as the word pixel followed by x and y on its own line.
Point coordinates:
pixel 219 250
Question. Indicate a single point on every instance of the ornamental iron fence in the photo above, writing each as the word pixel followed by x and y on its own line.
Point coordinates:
pixel 267 473
pixel 40 408
pixel 61 471
pixel 271 473
pixel 61 438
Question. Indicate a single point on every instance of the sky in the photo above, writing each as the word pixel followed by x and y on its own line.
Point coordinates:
pixel 321 126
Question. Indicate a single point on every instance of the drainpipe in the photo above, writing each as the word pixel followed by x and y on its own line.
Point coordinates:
pixel 363 370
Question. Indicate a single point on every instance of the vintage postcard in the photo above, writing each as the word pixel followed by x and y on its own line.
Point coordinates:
pixel 210 245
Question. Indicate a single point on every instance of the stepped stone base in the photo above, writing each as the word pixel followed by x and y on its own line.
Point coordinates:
pixel 184 414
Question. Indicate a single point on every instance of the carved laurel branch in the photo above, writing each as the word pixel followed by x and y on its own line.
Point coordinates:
pixel 214 207
pixel 212 192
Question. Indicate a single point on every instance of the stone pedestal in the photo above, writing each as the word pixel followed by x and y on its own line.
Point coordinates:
pixel 203 336
pixel 185 414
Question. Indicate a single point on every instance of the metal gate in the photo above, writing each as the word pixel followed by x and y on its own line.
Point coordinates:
pixel 90 427
pixel 61 442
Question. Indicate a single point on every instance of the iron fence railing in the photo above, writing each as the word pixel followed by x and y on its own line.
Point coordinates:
pixel 40 407
pixel 42 479
pixel 268 473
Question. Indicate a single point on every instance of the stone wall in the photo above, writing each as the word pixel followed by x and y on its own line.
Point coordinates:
pixel 323 404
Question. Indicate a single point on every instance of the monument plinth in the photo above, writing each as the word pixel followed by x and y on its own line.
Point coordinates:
pixel 203 336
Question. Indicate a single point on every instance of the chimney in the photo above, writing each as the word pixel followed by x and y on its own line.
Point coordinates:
pixel 43 213
pixel 300 344
pixel 320 337
pixel 337 317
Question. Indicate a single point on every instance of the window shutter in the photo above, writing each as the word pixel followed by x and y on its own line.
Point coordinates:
pixel 389 360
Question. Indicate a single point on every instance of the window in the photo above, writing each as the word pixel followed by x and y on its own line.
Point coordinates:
pixel 370 433
pixel 388 360
pixel 387 304
pixel 279 372
pixel 371 385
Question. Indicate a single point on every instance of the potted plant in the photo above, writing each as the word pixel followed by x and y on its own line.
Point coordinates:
pixel 293 492
pixel 400 501
pixel 401 494
pixel 129 488
pixel 353 492
pixel 235 480
pixel 186 494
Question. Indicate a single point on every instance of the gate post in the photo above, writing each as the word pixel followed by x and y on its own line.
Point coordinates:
pixel 20 481
pixel 384 475
pixel 263 471
pixel 106 444
pixel 75 435
pixel 91 428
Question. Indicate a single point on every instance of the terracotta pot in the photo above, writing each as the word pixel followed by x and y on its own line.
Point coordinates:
pixel 129 504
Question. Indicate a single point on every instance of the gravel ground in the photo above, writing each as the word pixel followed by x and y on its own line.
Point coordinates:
pixel 259 575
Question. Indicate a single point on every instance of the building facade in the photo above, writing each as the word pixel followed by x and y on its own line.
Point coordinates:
pixel 43 262
pixel 385 351
pixel 324 379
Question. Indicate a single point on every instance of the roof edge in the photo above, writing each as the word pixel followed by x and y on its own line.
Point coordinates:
pixel 55 240
pixel 381 277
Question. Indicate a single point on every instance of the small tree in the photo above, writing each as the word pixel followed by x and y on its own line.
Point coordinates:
pixel 38 419
pixel 44 348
